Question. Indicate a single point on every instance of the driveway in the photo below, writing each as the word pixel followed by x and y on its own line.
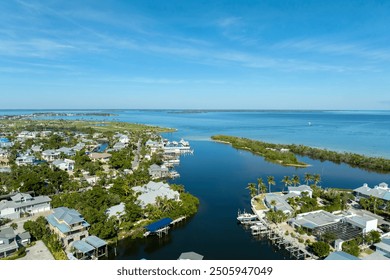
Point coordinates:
pixel 38 252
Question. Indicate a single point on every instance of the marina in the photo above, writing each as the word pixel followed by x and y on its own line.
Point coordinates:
pixel 261 228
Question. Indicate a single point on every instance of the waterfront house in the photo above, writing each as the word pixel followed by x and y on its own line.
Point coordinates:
pixel 320 222
pixel 64 164
pixel 300 190
pixel 91 247
pixel 365 223
pixel 382 191
pixel 50 155
pixel 156 171
pixel 278 202
pixel 149 193
pixel 116 210
pixel 68 224
pixel 23 203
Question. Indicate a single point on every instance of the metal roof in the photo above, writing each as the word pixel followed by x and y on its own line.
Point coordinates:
pixel 7 233
pixel 159 224
pixel 83 246
pixel 95 241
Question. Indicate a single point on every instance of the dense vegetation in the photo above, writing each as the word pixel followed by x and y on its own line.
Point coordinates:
pixel 377 164
pixel 39 231
pixel 320 248
pixel 270 152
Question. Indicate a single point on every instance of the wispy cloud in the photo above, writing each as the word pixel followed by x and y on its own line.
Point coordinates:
pixel 335 48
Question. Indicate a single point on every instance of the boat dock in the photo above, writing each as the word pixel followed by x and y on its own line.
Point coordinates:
pixel 260 227
pixel 162 226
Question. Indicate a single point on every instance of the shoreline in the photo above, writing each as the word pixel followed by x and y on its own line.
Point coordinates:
pixel 379 165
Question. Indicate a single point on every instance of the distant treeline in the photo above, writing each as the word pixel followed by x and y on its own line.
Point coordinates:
pixel 377 164
pixel 271 152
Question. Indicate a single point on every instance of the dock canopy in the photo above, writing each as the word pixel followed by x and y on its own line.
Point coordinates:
pixel 153 227
pixel 83 247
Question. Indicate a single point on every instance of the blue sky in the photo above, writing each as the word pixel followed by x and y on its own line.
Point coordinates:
pixel 195 54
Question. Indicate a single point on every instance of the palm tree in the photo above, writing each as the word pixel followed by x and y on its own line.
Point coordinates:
pixel 295 180
pixel 316 179
pixel 259 185
pixel 271 181
pixel 286 180
pixel 252 189
pixel 308 178
pixel 273 203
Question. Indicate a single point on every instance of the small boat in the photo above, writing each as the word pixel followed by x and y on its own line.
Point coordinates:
pixel 246 217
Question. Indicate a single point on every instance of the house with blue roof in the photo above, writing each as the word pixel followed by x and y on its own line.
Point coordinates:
pixel 68 224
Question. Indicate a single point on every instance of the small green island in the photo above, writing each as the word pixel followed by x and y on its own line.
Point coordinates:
pixel 109 178
pixel 285 154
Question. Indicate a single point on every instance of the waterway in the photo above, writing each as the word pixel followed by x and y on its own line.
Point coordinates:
pixel 218 174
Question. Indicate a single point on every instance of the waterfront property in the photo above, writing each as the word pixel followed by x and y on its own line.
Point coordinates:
pixel 91 247
pixel 68 224
pixel 149 193
pixel 321 222
pixel 156 171
pixel 20 203
pixel 382 191
pixel 159 227
pixel 365 223
pixel 278 202
pixel 116 210
pixel 300 190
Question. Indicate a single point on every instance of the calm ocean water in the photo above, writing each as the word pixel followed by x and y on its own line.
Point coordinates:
pixel 218 174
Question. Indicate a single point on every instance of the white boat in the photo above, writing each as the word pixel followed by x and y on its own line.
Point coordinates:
pixel 246 217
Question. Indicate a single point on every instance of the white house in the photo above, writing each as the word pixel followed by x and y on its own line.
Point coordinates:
pixel 301 189
pixel 382 191
pixel 23 203
pixel 366 223
pixel 149 193
pixel 278 202
pixel 156 171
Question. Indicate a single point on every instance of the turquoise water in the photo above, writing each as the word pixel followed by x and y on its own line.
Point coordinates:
pixel 218 174
pixel 365 132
